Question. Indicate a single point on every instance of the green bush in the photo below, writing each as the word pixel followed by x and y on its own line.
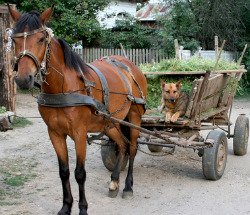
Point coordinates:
pixel 2 109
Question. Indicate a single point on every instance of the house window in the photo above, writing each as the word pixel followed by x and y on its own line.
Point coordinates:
pixel 122 15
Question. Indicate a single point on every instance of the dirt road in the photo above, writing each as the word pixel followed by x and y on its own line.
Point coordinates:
pixel 173 184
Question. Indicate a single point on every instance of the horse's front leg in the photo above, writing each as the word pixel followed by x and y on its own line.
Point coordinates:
pixel 60 146
pixel 115 135
pixel 80 174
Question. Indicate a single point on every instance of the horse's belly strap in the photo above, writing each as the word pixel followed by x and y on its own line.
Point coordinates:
pixel 69 100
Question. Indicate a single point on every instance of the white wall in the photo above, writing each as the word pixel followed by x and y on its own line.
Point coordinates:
pixel 108 16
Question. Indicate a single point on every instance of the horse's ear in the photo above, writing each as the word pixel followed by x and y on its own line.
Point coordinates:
pixel 46 15
pixel 14 13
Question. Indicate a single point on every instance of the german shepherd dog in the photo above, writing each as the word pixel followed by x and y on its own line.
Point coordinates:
pixel 174 101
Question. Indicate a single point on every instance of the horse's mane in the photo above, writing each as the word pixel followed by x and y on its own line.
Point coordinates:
pixel 71 58
pixel 33 22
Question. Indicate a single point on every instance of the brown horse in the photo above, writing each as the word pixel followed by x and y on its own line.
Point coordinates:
pixel 73 96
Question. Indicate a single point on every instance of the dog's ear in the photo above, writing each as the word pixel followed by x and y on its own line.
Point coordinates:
pixel 162 84
pixel 178 84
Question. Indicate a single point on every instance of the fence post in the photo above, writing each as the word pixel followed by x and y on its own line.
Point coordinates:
pixel 216 46
pixel 7 85
pixel 177 49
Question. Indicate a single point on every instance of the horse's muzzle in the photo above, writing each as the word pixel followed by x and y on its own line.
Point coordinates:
pixel 26 82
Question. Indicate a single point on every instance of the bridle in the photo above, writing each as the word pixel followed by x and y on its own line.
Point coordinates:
pixel 41 67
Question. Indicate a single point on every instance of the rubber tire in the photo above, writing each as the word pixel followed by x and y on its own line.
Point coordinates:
pixel 241 135
pixel 153 148
pixel 109 155
pixel 210 164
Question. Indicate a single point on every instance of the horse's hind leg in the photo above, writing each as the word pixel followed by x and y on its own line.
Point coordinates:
pixel 116 135
pixel 60 146
pixel 134 116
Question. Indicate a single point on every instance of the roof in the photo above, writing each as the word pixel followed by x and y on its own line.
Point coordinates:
pixel 150 12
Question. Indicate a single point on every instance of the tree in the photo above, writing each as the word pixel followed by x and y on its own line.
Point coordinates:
pixel 201 20
pixel 73 20
pixel 131 34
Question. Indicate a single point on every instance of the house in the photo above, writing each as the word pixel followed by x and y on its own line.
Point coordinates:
pixel 117 10
pixel 149 14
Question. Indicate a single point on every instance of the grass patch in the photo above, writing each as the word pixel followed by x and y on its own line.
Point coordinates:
pixel 31 91
pixel 20 122
pixel 18 180
pixel 14 173
pixel 17 172
pixel 192 64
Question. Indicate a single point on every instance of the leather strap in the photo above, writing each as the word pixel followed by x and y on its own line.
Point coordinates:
pixel 69 100
pixel 118 64
pixel 27 33
pixel 104 85
pixel 111 62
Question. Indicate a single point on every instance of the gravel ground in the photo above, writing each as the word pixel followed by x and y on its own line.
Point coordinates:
pixel 172 184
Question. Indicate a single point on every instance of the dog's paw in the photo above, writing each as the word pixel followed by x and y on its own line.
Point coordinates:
pixel 167 119
pixel 174 118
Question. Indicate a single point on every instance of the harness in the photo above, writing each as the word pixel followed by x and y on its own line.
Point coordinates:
pixel 76 99
pixel 41 67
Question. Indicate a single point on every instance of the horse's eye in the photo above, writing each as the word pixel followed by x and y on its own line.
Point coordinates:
pixel 174 91
pixel 41 40
pixel 167 91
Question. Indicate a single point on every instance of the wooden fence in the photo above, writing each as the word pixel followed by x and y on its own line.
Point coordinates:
pixel 138 56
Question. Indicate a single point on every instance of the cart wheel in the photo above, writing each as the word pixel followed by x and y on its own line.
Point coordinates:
pixel 109 155
pixel 153 148
pixel 214 159
pixel 241 134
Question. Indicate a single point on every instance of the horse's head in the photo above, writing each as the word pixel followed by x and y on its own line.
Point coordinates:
pixel 31 41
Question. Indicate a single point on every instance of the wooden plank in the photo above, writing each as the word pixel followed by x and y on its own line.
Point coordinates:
pixel 157 60
pixel 193 97
pixel 131 55
pixel 137 57
pixel 146 55
pixel 1 45
pixel 211 113
pixel 194 72
pixel 227 92
pixel 213 92
pixel 4 9
pixel 143 56
pixel 197 106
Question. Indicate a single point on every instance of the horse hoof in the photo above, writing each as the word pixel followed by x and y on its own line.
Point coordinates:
pixel 66 210
pixel 113 193
pixel 83 212
pixel 61 212
pixel 127 194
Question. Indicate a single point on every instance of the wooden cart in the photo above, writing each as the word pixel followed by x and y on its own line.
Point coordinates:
pixel 209 108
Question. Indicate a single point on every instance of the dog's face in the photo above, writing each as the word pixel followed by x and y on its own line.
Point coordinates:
pixel 170 91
